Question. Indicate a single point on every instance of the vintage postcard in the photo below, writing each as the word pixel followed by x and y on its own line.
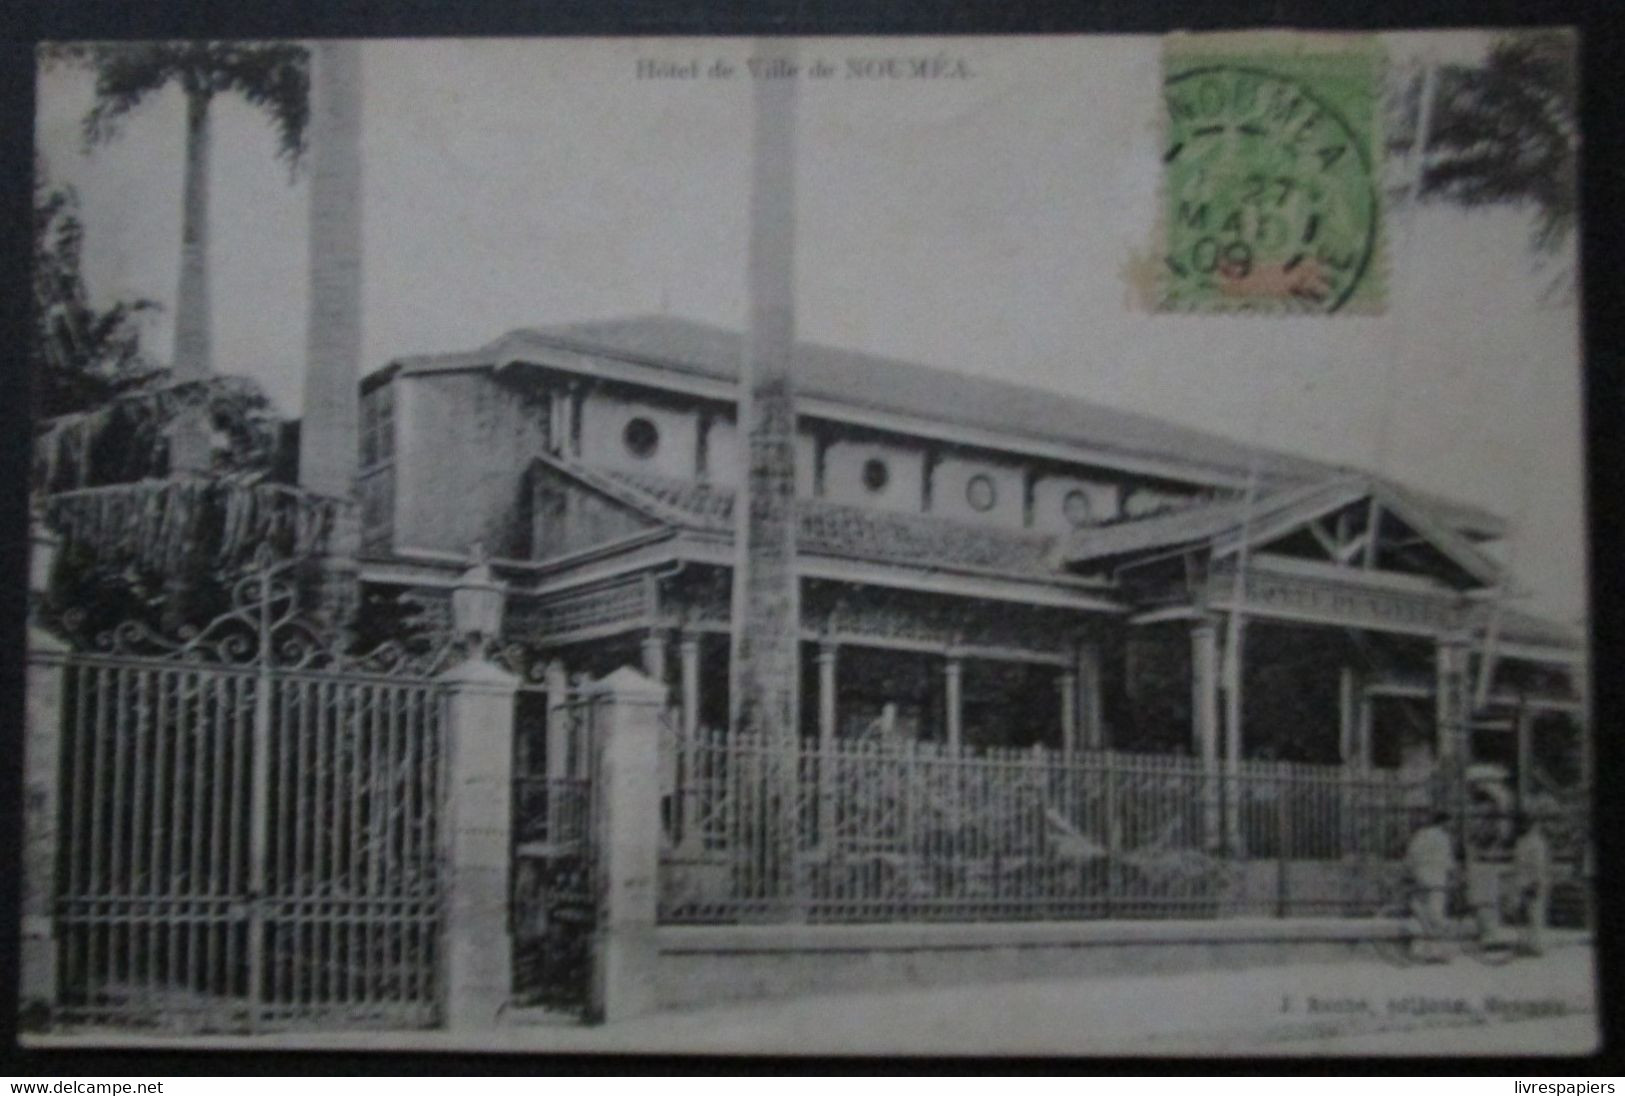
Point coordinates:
pixel 1064 546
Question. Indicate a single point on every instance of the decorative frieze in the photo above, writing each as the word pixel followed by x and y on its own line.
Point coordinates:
pixel 1326 600
pixel 552 619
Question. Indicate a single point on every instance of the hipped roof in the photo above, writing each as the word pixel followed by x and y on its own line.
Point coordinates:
pixel 861 381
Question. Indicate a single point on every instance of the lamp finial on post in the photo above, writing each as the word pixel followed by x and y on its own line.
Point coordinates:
pixel 477 602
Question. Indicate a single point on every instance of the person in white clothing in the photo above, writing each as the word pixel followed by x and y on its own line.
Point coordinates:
pixel 1430 862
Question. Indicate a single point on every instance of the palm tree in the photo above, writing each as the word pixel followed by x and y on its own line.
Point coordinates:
pixel 1503 132
pixel 272 76
pixel 328 441
pixel 330 421
pixel 766 595
pixel 103 408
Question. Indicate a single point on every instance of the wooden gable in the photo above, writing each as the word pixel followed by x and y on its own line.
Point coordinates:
pixel 1368 527
pixel 569 515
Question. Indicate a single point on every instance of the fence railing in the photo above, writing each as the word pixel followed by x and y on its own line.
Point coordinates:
pixel 250 825
pixel 862 830
pixel 247 848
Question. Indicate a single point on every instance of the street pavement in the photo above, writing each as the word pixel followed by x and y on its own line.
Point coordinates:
pixel 1358 1007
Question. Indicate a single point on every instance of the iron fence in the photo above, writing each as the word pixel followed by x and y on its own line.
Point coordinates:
pixel 863 830
pixel 249 828
pixel 242 849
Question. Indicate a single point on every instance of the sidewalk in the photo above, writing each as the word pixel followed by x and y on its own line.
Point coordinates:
pixel 1530 1006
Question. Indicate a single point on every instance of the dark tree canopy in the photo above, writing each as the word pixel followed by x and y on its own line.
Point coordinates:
pixel 82 356
pixel 273 76
pixel 1502 133
pixel 106 413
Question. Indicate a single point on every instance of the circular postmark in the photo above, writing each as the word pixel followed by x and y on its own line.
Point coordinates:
pixel 1271 201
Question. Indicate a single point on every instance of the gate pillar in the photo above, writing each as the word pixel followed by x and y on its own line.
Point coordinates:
pixel 42 790
pixel 626 841
pixel 477 935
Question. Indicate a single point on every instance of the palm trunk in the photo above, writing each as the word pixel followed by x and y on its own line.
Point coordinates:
pixel 328 436
pixel 189 440
pixel 328 432
pixel 190 448
pixel 766 595
pixel 766 601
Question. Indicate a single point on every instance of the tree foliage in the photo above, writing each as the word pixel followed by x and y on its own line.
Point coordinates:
pixel 112 424
pixel 102 406
pixel 1503 132
pixel 82 356
pixel 272 76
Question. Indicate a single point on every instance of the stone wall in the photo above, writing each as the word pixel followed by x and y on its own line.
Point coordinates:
pixel 701 966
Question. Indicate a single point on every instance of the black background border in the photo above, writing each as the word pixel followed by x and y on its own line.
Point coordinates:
pixel 24 22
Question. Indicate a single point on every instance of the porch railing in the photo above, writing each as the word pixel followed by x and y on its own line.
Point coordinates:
pixel 865 831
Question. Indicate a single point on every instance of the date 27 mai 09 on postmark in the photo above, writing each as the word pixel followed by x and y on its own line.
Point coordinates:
pixel 1270 174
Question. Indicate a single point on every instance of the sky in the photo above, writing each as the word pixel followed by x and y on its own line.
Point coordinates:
pixel 987 225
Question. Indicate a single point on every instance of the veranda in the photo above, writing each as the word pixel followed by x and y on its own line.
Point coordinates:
pixel 958 763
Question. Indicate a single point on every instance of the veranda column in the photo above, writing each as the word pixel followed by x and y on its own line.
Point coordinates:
pixel 1234 675
pixel 1067 683
pixel 556 680
pixel 1348 715
pixel 688 671
pixel 953 699
pixel 1587 720
pixel 626 832
pixel 654 654
pixel 1454 745
pixel 1348 733
pixel 1367 731
pixel 42 784
pixel 827 654
pixel 1450 697
pixel 478 947
pixel 1091 731
pixel 1205 719
pixel 1524 726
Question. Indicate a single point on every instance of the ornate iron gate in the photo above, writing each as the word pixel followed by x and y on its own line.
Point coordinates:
pixel 553 904
pixel 249 827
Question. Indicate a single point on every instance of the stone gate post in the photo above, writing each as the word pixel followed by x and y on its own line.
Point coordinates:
pixel 42 791
pixel 477 934
pixel 626 838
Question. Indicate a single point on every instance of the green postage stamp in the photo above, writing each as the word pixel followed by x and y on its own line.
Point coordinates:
pixel 1272 198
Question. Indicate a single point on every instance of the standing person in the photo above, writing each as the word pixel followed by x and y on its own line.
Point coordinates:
pixel 1532 882
pixel 1430 861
